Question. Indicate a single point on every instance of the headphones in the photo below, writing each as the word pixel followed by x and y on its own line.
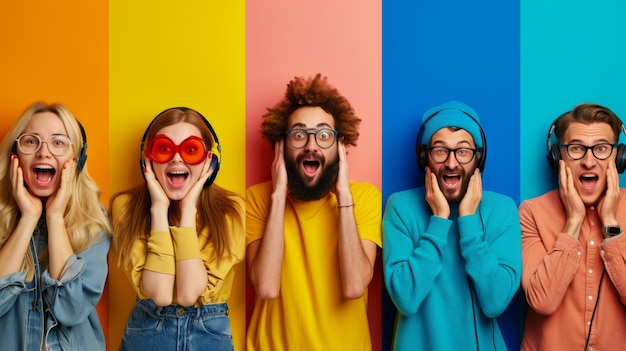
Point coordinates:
pixel 421 148
pixel 554 151
pixel 216 149
pixel 81 159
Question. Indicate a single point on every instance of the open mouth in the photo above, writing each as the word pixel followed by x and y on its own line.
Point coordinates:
pixel 451 180
pixel 44 174
pixel 177 177
pixel 310 166
pixel 588 180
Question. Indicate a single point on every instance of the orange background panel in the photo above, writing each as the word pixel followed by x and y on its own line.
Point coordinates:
pixel 58 52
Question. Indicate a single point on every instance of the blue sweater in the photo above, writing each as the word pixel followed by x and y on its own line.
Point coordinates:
pixel 450 278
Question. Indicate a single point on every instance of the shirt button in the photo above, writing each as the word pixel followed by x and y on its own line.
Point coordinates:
pixel 592 243
pixel 589 323
pixel 590 271
pixel 589 297
pixel 181 310
pixel 592 208
pixel 578 253
pixel 592 223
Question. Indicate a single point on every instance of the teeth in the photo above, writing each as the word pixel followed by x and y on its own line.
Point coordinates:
pixel 178 172
pixel 44 167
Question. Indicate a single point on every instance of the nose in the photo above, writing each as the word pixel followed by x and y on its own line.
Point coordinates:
pixel 176 158
pixel 588 159
pixel 44 151
pixel 451 161
pixel 311 143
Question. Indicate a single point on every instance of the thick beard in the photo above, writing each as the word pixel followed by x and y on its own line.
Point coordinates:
pixel 301 191
pixel 464 185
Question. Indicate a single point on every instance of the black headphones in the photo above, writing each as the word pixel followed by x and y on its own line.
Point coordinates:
pixel 421 148
pixel 554 151
pixel 216 149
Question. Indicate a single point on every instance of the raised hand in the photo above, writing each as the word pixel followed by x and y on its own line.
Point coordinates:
pixel 157 194
pixel 572 202
pixel 29 204
pixel 473 195
pixel 434 197
pixel 343 177
pixel 57 202
pixel 607 206
pixel 279 172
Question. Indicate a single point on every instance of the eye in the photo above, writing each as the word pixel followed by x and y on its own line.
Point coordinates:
pixel 29 140
pixel 462 152
pixel 576 148
pixel 298 135
pixel 602 148
pixel 323 134
pixel 440 151
pixel 59 142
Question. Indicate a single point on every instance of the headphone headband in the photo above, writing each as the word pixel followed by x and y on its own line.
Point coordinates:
pixel 216 149
pixel 421 146
pixel 553 155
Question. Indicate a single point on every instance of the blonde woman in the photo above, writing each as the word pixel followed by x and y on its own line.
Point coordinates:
pixel 54 236
pixel 177 237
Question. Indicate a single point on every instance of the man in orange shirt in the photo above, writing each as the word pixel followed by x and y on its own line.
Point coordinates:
pixel 573 250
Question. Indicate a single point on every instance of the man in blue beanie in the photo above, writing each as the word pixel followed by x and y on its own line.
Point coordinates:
pixel 452 252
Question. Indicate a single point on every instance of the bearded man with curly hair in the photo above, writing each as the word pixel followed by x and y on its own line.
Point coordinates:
pixel 312 234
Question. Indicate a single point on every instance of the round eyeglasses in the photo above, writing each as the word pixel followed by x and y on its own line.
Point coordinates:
pixel 58 144
pixel 599 151
pixel 298 138
pixel 162 149
pixel 440 154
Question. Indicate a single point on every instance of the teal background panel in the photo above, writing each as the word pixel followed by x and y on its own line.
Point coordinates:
pixel 571 52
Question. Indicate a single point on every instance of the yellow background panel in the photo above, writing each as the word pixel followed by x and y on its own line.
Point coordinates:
pixel 165 54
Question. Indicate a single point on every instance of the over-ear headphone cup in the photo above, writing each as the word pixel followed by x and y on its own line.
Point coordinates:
pixel 554 156
pixel 81 160
pixel 620 161
pixel 215 165
pixel 421 157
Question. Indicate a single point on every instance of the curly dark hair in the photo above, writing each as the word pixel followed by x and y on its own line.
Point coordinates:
pixel 314 91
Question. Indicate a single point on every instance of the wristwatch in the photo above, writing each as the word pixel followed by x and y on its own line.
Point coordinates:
pixel 612 230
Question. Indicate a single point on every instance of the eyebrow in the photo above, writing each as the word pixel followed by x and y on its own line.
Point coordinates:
pixel 460 143
pixel 596 142
pixel 319 125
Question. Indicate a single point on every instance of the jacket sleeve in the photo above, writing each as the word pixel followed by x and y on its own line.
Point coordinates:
pixel 490 243
pixel 72 298
pixel 412 251
pixel 547 271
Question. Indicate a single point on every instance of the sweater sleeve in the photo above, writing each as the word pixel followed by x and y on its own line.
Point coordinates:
pixel 490 243
pixel 413 245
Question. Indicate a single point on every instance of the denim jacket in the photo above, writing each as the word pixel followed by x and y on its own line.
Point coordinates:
pixel 60 313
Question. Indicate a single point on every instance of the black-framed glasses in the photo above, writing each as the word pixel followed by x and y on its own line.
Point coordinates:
pixel 440 154
pixel 600 151
pixel 324 137
pixel 58 144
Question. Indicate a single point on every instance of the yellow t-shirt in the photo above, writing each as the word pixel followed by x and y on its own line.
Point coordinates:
pixel 159 252
pixel 310 312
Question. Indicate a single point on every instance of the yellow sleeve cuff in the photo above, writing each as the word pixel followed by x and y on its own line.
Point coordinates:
pixel 160 253
pixel 186 245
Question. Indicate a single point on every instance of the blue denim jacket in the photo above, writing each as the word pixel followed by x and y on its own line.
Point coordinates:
pixel 61 313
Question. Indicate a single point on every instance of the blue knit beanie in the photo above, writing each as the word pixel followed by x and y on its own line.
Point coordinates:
pixel 451 114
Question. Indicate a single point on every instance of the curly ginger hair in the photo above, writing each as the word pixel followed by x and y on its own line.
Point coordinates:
pixel 315 92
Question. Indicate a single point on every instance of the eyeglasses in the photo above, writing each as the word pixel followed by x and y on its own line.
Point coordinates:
pixel 58 144
pixel 599 151
pixel 162 149
pixel 440 154
pixel 324 138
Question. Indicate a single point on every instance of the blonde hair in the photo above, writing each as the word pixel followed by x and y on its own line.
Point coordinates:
pixel 85 217
pixel 218 209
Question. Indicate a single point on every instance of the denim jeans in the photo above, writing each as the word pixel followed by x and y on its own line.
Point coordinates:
pixel 177 328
